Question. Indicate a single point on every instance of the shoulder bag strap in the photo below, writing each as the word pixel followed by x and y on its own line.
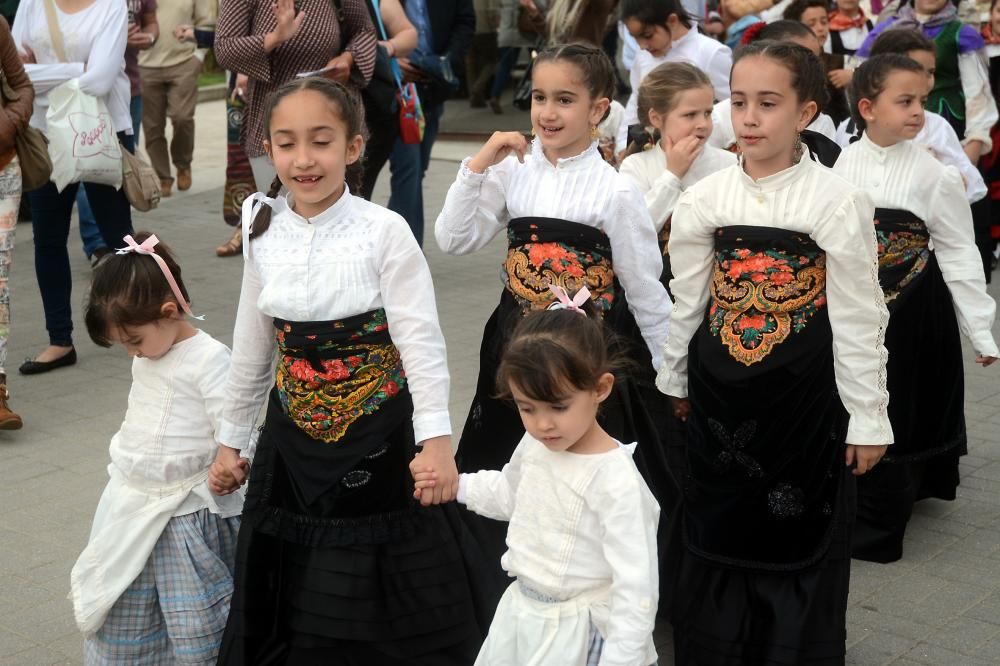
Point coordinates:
pixel 54 32
pixel 396 71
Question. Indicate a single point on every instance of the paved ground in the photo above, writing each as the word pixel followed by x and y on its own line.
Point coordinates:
pixel 939 606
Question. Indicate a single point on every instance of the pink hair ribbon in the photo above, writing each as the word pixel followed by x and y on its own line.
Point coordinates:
pixel 564 302
pixel 146 248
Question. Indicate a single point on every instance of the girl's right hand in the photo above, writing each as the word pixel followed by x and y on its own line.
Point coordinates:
pixel 288 20
pixel 681 155
pixel 497 149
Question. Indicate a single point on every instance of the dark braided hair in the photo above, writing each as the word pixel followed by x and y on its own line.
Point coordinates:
pixel 593 62
pixel 348 108
pixel 808 75
pixel 870 79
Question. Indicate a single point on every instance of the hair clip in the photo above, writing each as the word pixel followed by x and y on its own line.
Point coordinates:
pixel 146 248
pixel 564 302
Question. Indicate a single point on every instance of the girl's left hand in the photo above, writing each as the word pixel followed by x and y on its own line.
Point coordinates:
pixel 436 457
pixel 865 456
pixel 986 360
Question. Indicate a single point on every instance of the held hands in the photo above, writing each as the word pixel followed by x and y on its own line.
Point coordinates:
pixel 288 20
pixel 840 78
pixel 496 150
pixel 339 68
pixel 681 155
pixel 228 472
pixel 434 473
pixel 866 457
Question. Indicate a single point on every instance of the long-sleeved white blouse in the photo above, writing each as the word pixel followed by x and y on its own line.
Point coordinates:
pixel 352 258
pixel 905 177
pixel 582 189
pixel 807 198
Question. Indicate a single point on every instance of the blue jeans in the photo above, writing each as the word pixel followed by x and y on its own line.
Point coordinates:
pixel 508 58
pixel 408 164
pixel 89 233
pixel 51 211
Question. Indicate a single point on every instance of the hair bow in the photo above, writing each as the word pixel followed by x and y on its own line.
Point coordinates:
pixel 564 302
pixel 146 248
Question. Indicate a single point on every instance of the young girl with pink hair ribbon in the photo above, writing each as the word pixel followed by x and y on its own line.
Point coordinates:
pixel 155 580
pixel 581 543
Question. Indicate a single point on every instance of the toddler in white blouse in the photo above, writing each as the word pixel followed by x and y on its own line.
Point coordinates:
pixel 582 534
pixel 155 580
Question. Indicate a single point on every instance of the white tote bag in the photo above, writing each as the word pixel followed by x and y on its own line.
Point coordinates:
pixel 83 144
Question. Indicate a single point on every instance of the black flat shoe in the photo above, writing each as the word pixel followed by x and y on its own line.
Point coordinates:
pixel 30 367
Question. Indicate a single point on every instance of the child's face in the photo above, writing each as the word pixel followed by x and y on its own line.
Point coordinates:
pixel 691 115
pixel 151 340
pixel 657 39
pixel 929 7
pixel 817 20
pixel 563 112
pixel 767 114
pixel 995 18
pixel 565 425
pixel 897 114
pixel 310 150
pixel 928 61
pixel 849 7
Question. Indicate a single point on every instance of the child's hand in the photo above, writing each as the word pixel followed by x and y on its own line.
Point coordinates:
pixel 681 155
pixel 866 457
pixel 682 408
pixel 435 465
pixel 841 77
pixel 228 472
pixel 496 150
pixel 986 361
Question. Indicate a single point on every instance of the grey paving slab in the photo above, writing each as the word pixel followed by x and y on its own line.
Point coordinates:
pixel 940 605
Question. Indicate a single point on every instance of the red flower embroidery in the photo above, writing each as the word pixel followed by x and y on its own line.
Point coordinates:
pixel 301 370
pixel 756 322
pixel 391 388
pixel 782 277
pixel 335 370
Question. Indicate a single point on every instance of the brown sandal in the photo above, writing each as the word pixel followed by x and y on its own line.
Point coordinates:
pixel 233 246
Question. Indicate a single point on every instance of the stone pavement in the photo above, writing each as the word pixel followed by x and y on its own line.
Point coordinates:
pixel 939 606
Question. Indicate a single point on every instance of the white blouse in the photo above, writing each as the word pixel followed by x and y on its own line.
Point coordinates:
pixel 710 56
pixel 578 523
pixel 806 198
pixel 582 189
pixel 94 41
pixel 724 135
pixel 980 107
pixel 661 188
pixel 352 258
pixel 905 177
pixel 938 137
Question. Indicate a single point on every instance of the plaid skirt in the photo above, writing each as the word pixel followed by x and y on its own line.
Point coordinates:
pixel 176 610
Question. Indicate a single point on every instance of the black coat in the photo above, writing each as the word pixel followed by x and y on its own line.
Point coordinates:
pixel 453 23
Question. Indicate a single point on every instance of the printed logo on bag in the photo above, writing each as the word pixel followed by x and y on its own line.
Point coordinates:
pixel 93 135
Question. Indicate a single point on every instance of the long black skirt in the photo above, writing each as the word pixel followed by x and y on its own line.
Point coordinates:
pixel 360 575
pixel 926 381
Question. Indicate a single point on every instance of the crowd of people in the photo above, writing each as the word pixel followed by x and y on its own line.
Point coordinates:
pixel 740 238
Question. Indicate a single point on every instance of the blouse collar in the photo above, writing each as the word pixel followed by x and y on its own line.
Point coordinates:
pixel 778 180
pixel 574 163
pixel 881 153
pixel 337 210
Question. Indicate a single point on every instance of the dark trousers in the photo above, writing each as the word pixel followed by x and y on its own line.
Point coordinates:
pixel 383 130
pixel 51 211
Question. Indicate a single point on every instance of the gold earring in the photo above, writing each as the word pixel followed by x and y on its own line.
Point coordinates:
pixel 594 134
pixel 532 130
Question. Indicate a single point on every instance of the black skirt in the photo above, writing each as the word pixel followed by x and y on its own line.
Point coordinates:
pixel 336 562
pixel 547 251
pixel 759 562
pixel 926 383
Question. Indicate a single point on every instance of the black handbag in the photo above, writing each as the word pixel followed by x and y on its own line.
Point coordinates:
pixel 522 94
pixel 380 93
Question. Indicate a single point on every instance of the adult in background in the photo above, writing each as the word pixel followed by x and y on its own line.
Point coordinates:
pixel 480 61
pixel 274 42
pixel 170 70
pixel 96 58
pixel 510 40
pixel 17 95
pixel 381 110
pixel 445 29
pixel 143 31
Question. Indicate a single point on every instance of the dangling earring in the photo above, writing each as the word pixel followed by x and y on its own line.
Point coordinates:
pixel 594 134
pixel 532 131
pixel 798 149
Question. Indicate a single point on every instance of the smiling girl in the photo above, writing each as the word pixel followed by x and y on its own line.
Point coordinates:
pixel 665 33
pixel 334 554
pixel 932 278
pixel 777 328
pixel 571 221
pixel 675 99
